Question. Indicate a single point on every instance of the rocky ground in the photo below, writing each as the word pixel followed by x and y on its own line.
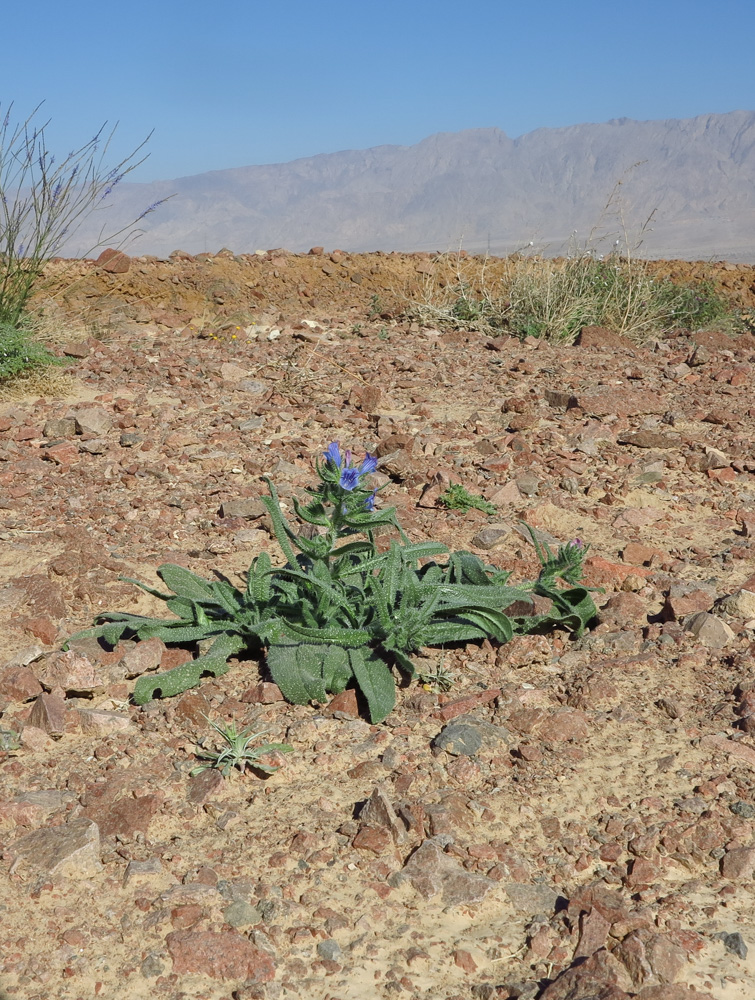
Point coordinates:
pixel 573 819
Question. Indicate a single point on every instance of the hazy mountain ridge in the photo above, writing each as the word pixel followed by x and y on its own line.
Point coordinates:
pixel 477 187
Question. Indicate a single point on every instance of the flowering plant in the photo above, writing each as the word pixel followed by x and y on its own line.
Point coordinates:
pixel 340 611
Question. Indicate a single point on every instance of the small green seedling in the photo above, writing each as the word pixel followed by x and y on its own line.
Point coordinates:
pixel 238 751
pixel 457 497
pixel 439 679
pixel 9 740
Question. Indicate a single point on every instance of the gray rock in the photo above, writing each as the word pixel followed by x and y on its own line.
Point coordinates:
pixel 467 734
pixel 241 914
pixel 250 508
pixel 153 965
pixel 734 943
pixel 329 950
pixel 490 536
pixel 152 866
pixel 61 427
pixel 532 899
pixel 711 631
pixel 93 420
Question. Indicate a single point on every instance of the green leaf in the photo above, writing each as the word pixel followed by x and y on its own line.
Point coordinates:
pixel 350 638
pixel 283 531
pixel 376 682
pixel 184 583
pixel 297 669
pixel 336 668
pixel 172 682
pixel 258 585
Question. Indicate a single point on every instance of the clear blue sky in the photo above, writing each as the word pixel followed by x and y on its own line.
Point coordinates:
pixel 227 83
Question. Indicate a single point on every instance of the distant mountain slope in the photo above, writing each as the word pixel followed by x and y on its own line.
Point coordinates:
pixel 478 188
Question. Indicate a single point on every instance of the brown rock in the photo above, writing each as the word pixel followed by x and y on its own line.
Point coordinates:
pixel 219 955
pixel 593 932
pixel 378 811
pixel 143 657
pixel 203 785
pixel 738 864
pixel 606 400
pixel 459 706
pixel 193 707
pixel 677 992
pixel 263 693
pixel 463 959
pixel 49 713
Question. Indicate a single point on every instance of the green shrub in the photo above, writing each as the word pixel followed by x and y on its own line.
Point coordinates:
pixel 21 352
pixel 341 611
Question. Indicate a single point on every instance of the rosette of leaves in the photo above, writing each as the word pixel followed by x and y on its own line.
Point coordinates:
pixel 341 612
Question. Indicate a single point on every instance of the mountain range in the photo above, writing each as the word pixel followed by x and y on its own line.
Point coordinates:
pixel 676 188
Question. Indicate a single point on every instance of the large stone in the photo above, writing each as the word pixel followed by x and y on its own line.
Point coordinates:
pixel 69 672
pixel 219 955
pixel 710 630
pixel 72 850
pixel 432 872
pixel 600 977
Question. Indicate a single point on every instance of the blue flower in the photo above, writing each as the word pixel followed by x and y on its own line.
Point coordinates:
pixel 350 474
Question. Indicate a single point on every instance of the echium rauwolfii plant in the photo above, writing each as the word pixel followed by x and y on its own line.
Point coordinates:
pixel 341 612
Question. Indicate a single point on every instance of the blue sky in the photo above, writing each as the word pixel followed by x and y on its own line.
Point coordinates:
pixel 227 83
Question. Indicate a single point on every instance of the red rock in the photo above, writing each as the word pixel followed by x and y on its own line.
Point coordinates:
pixel 566 724
pixel 44 596
pixel 641 555
pixel 43 629
pixel 727 475
pixel 19 684
pixel 459 706
pixel 602 572
pixel 666 958
pixel 643 873
pixel 373 838
pixel 69 672
pixel 463 959
pixel 219 955
pixel 264 693
pixel 65 453
pixel 185 916
pixel 114 261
